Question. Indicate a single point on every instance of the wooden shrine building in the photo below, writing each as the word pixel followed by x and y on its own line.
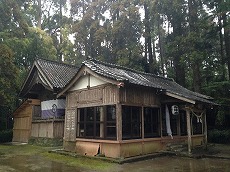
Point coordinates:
pixel 120 112
pixel 41 115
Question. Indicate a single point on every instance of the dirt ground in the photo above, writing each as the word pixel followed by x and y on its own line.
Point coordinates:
pixel 16 158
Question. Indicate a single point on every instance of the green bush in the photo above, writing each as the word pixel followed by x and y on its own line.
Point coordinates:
pixel 6 136
pixel 219 136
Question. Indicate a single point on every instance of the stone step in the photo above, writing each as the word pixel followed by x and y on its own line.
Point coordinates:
pixel 177 147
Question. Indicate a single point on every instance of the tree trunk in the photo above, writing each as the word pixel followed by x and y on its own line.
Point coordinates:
pixel 193 19
pixel 149 56
pixel 227 41
pixel 161 45
pixel 222 54
pixel 60 54
pixel 39 20
pixel 177 33
pixel 196 77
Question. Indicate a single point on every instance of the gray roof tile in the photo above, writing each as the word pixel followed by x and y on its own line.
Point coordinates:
pixel 120 73
pixel 59 74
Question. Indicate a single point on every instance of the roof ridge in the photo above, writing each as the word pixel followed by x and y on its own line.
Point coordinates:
pixel 126 68
pixel 56 62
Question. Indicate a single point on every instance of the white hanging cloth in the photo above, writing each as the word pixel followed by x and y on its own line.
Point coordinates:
pixel 168 126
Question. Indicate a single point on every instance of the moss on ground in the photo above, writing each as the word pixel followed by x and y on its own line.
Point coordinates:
pixel 31 150
pixel 82 162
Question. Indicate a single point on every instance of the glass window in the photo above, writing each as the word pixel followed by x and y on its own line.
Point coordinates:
pixel 97 122
pixel 131 122
pixel 37 112
pixel 111 131
pixel 151 122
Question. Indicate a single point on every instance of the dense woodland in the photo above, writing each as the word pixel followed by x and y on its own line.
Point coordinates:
pixel 187 40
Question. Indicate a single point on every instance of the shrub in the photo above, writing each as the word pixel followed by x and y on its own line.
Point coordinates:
pixel 6 136
pixel 219 136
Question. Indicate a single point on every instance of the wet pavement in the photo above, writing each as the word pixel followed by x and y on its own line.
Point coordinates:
pixel 161 164
pixel 16 159
pixel 33 163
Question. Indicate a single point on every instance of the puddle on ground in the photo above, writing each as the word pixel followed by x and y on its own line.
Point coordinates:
pixel 160 164
pixel 179 164
pixel 34 163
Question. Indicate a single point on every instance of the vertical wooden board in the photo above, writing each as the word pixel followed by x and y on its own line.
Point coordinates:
pixel 15 136
pixel 87 148
pixel 70 125
pixel 110 94
pixel 119 122
pixel 122 95
pixel 138 95
pixel 110 150
pixel 58 129
pixel 42 132
pixel 189 130
pixel 35 130
pixel 50 129
pixel 131 149
pixel 152 146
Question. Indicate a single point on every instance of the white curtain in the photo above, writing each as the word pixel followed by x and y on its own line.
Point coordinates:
pixel 168 126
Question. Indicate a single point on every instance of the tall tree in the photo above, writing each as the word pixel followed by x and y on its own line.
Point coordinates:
pixel 8 76
pixel 149 45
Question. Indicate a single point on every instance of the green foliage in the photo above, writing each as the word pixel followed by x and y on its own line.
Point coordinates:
pixel 219 136
pixel 6 136
pixel 46 142
pixel 115 39
pixel 37 44
pixel 220 91
pixel 8 76
pixel 183 39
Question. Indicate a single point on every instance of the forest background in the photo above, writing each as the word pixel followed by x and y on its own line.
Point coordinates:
pixel 187 40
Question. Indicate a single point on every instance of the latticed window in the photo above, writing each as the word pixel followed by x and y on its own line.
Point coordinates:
pixel 131 122
pixel 97 122
pixel 151 122
pixel 36 112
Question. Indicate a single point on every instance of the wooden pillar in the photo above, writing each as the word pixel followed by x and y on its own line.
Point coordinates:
pixel 119 122
pixel 205 131
pixel 142 123
pixel 161 125
pixel 189 130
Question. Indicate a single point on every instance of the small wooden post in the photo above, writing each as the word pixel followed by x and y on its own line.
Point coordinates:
pixel 119 122
pixel 189 130
pixel 205 131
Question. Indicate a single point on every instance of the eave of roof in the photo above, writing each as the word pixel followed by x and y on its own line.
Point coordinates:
pixel 118 74
pixel 83 71
pixel 52 74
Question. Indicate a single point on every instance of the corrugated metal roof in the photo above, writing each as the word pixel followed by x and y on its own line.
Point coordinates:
pixel 126 75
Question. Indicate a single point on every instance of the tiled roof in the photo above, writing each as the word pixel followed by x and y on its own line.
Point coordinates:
pixel 59 74
pixel 52 74
pixel 127 75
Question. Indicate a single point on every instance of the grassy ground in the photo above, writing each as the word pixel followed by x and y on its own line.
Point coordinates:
pixel 8 151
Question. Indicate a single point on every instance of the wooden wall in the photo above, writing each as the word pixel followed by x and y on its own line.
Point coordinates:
pixel 139 96
pixel 22 121
pixel 106 94
pixel 48 128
